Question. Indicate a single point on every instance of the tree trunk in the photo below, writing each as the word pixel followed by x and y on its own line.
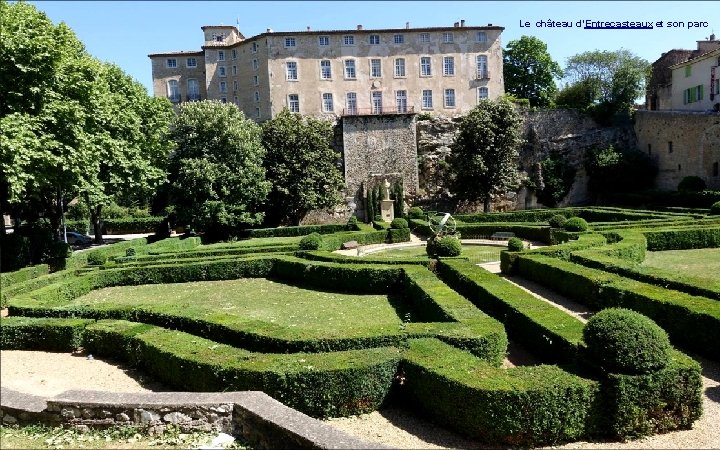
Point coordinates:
pixel 486 204
pixel 97 223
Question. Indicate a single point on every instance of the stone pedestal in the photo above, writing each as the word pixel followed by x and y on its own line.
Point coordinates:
pixel 387 210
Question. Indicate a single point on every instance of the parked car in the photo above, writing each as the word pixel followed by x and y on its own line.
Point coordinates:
pixel 74 238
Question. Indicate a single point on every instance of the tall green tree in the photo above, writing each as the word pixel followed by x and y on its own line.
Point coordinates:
pixel 484 159
pixel 301 165
pixel 612 79
pixel 216 173
pixel 530 71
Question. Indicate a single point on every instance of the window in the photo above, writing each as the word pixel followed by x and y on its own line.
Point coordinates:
pixel 171 63
pixel 482 93
pixel 234 70
pixel 289 42
pixel 401 101
pixel 376 102
pixel 221 55
pixel 688 70
pixel 375 68
pixel 256 80
pixel 235 86
pixel 291 70
pixel 399 67
pixel 449 66
pixel 449 98
pixel 424 38
pixel 425 66
pixel 351 103
pixel 448 37
pixel 255 64
pixel 699 92
pixel 193 89
pixel 679 167
pixel 223 86
pixel 693 94
pixel 191 62
pixel 427 102
pixel 254 47
pixel 649 149
pixel 670 147
pixel 234 54
pixel 350 69
pixel 482 67
pixel 327 103
pixel 236 101
pixel 324 40
pixel 481 36
pixel 717 86
pixel 173 91
pixel 325 70
pixel 348 40
pixel 223 99
pixel 294 103
pixel 218 37
pixel 374 39
pixel 399 39
pixel 257 96
pixel 257 113
pixel 716 169
pixel 221 71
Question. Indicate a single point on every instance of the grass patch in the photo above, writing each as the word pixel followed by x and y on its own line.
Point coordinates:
pixel 703 263
pixel 474 253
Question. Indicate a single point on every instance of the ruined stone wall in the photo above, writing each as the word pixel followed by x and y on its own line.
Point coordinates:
pixel 379 147
pixel 683 144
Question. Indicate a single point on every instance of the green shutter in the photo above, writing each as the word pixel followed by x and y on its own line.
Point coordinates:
pixel 688 70
pixel 700 92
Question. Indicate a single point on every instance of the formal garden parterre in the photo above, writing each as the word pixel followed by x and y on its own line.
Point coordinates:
pixel 334 335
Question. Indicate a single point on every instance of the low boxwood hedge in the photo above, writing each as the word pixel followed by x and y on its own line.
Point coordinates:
pixel 302 230
pixel 28 333
pixel 508 259
pixel 682 238
pixel 28 273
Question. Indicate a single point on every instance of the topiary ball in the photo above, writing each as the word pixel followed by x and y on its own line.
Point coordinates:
pixel 352 221
pixel 312 241
pixel 575 224
pixel 557 221
pixel 692 184
pixel 448 246
pixel 515 245
pixel 399 223
pixel 715 209
pixel 416 213
pixel 626 342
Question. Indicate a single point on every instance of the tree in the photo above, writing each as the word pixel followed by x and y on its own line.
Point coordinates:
pixel 484 159
pixel 613 79
pixel 613 170
pixel 301 165
pixel 216 173
pixel 530 71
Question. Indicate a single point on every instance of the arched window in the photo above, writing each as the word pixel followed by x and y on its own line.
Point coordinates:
pixel 173 91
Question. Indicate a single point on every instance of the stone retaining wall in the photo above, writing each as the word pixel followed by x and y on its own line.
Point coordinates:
pixel 256 417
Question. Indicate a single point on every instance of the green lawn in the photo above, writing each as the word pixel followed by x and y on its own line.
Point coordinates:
pixel 704 263
pixel 475 253
pixel 263 305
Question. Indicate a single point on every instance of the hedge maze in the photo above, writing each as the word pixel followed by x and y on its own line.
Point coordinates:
pixel 443 349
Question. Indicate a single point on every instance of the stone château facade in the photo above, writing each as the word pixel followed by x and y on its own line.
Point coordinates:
pixel 439 70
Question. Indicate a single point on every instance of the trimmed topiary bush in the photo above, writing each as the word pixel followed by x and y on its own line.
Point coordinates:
pixel 515 244
pixel 447 246
pixel 352 222
pixel 626 342
pixel 575 224
pixel 130 252
pixel 416 213
pixel 715 209
pixel 692 183
pixel 312 241
pixel 399 223
pixel 557 221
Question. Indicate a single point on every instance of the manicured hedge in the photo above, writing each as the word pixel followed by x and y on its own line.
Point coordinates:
pixel 319 384
pixel 331 242
pixel 80 259
pixel 508 260
pixel 205 253
pixel 295 231
pixel 342 259
pixel 27 333
pixel 523 406
pixel 528 215
pixel 32 284
pixel 22 275
pixel 692 322
pixel 552 334
pixel 132 225
pixel 682 238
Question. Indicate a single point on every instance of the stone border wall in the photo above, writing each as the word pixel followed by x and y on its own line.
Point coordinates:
pixel 255 416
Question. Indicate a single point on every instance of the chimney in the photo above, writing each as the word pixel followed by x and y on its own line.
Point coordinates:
pixel 489 24
pixel 269 30
pixel 462 22
pixel 407 25
pixel 308 28
pixel 359 27
pixel 712 37
pixel 456 24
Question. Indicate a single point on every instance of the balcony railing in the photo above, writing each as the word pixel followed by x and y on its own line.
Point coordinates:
pixel 483 75
pixel 378 111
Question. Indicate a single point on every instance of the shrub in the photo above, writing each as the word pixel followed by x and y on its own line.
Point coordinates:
pixel 97 259
pixel 448 246
pixel 399 223
pixel 575 224
pixel 378 218
pixel 416 213
pixel 557 221
pixel 130 251
pixel 715 209
pixel 692 183
pixel 626 342
pixel 352 222
pixel 515 245
pixel 312 241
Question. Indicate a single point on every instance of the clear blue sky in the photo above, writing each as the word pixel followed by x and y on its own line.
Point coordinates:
pixel 126 32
